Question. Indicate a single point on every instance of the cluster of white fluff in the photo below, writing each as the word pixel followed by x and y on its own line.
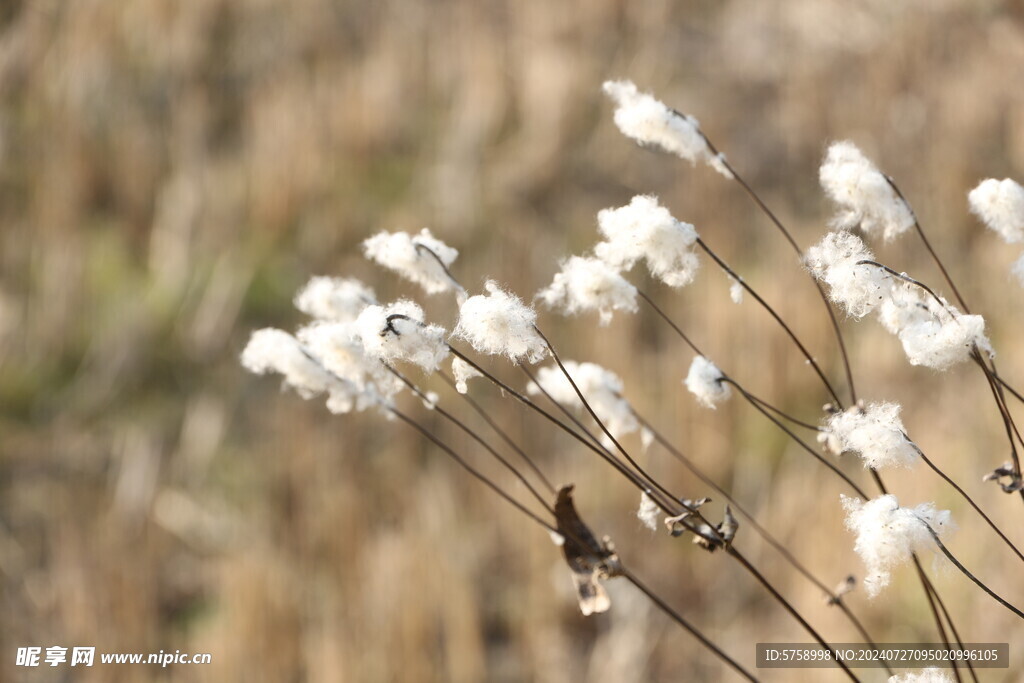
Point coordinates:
pixel 1000 205
pixel 339 348
pixel 704 380
pixel 499 323
pixel 334 298
pixel 589 284
pixel 649 122
pixel 863 193
pixel 644 230
pixel 601 387
pixel 875 432
pixel 463 372
pixel 931 675
pixel 648 512
pixel 859 289
pixel 397 332
pixel 272 350
pixel 888 534
pixel 933 333
pixel 413 257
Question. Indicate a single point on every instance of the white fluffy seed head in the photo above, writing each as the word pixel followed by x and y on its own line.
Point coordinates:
pixel 704 380
pixel 601 387
pixel 648 512
pixel 397 332
pixel 651 123
pixel 499 323
pixel 463 372
pixel 865 197
pixel 933 334
pixel 272 350
pixel 1000 205
pixel 887 534
pixel 643 230
pixel 859 289
pixel 339 348
pixel 589 284
pixel 334 298
pixel 421 258
pixel 931 675
pixel 875 432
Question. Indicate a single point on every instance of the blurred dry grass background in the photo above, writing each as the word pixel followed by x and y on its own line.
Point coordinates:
pixel 170 174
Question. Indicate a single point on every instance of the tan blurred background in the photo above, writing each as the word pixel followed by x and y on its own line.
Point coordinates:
pixel 171 173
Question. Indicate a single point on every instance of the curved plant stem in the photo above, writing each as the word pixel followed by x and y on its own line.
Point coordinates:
pixel 500 432
pixel 476 437
pixel 771 311
pixel 678 618
pixel 796 247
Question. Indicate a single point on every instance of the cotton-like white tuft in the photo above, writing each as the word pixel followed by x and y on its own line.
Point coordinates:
pixel 648 512
pixel 334 298
pixel 643 230
pixel 420 258
pixel 602 388
pixel 1000 205
pixel 704 380
pixel 857 288
pixel 463 372
pixel 499 323
pixel 888 534
pixel 651 123
pixel 865 197
pixel 933 334
pixel 589 284
pixel 875 432
pixel 272 350
pixel 339 348
pixel 930 675
pixel 397 332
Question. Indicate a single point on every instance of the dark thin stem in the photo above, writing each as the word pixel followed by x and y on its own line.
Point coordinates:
pixel 931 596
pixel 1004 411
pixel 786 416
pixel 789 608
pixel 476 437
pixel 906 278
pixel 670 322
pixel 500 432
pixel 970 500
pixel 952 627
pixel 796 247
pixel 928 245
pixel 968 574
pixel 760 530
pixel 614 462
pixel 632 578
pixel 771 311
pixel 678 618
pixel 1016 394
pixel 817 456
pixel 600 423
pixel 469 468
pixel 428 250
